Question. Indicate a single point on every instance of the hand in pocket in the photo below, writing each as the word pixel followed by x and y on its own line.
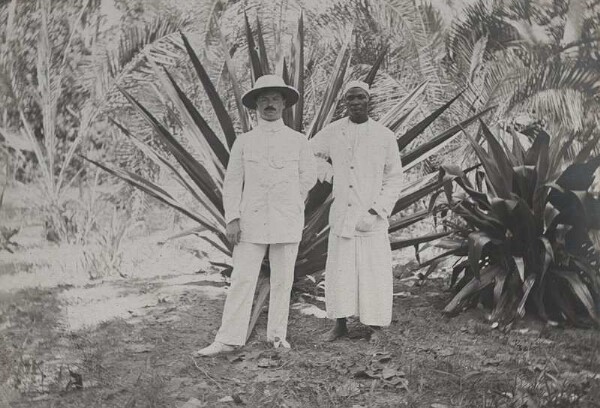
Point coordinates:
pixel 366 222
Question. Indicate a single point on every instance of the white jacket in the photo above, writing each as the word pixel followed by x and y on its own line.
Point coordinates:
pixel 271 169
pixel 367 173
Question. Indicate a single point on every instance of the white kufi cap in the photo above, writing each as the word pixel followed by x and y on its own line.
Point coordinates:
pixel 357 84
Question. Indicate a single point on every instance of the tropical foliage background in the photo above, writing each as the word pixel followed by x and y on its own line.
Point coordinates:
pixel 150 92
pixel 116 122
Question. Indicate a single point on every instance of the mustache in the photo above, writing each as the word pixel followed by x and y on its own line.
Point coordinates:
pixel 270 108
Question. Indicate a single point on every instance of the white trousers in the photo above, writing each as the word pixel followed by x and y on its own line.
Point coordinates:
pixel 247 258
pixel 358 278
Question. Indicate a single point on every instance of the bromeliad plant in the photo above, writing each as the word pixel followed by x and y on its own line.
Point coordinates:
pixel 202 174
pixel 524 232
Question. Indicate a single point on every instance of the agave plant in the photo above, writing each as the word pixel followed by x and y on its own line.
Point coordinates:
pixel 525 232
pixel 201 174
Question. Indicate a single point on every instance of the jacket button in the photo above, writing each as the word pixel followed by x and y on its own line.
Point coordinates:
pixel 351 167
pixel 350 185
pixel 349 204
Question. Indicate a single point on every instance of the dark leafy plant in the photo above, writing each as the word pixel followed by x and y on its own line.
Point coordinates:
pixel 201 174
pixel 525 232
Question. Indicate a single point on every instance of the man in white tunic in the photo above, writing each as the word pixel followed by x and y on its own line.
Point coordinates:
pixel 367 178
pixel 270 171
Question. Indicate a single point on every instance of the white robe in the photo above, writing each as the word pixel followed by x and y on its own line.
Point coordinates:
pixel 367 173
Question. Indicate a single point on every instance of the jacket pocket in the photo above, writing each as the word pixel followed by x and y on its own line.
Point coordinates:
pixel 252 155
pixel 284 158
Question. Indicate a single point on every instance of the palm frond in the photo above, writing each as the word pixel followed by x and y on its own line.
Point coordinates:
pixel 110 66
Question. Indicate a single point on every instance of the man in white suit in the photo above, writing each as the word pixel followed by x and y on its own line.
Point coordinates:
pixel 270 171
pixel 367 179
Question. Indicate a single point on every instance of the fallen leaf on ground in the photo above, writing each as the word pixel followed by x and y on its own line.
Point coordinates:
pixel 445 352
pixel 382 357
pixel 348 389
pixel 398 381
pixel 491 362
pixel 253 355
pixel 471 374
pixel 140 348
pixel 365 373
pixel 193 403
pixel 228 398
pixel 341 366
pixel 236 357
pixel 237 399
pixel 310 310
pixel 268 363
pixel 388 373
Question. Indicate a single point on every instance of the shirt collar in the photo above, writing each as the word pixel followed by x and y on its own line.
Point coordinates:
pixel 270 126
pixel 350 123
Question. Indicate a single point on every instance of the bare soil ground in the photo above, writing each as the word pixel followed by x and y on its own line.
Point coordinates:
pixel 67 341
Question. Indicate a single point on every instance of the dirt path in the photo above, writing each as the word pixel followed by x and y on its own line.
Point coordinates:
pixel 144 360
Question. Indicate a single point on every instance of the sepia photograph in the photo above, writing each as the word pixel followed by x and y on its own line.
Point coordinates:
pixel 300 203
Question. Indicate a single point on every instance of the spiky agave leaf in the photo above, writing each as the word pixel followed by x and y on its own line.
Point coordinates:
pixel 165 164
pixel 215 99
pixel 393 119
pixel 198 173
pixel 297 72
pixel 161 195
pixel 255 62
pixel 432 146
pixel 233 80
pixel 370 78
pixel 262 50
pixel 408 242
pixel 204 138
pixel 410 135
pixel 407 221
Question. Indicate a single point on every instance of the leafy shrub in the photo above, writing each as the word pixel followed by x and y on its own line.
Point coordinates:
pixel 525 231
